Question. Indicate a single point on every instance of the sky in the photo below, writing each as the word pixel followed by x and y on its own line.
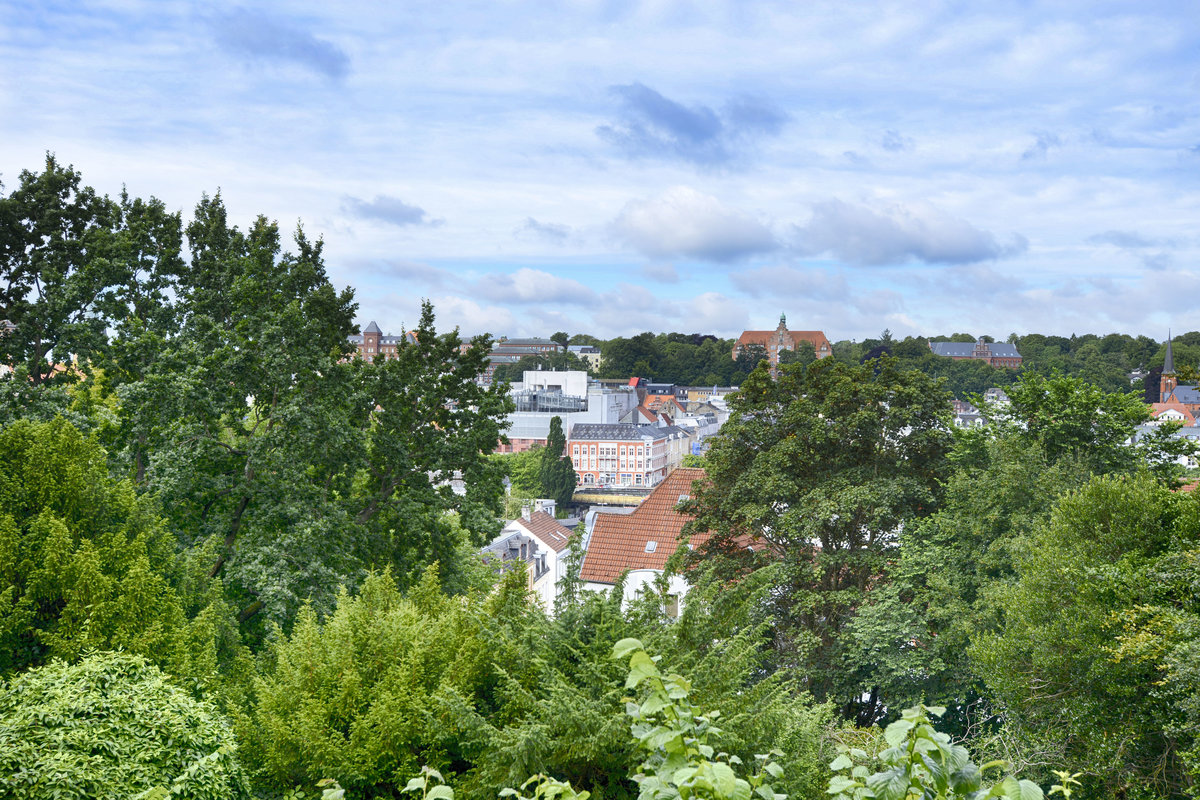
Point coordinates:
pixel 616 167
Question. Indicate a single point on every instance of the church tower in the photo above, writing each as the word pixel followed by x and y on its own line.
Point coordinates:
pixel 1168 381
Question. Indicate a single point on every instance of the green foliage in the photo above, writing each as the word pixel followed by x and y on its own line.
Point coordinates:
pixel 112 726
pixel 487 689
pixel 827 464
pixel 1100 608
pixel 54 268
pixel 557 473
pixel 524 470
pixel 685 359
pixel 680 761
pixel 85 563
pixel 1070 418
pixel 922 762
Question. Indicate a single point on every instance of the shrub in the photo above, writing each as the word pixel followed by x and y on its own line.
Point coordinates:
pixel 112 726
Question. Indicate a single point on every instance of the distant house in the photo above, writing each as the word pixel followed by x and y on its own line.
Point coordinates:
pixel 638 544
pixel 996 354
pixel 776 341
pixel 537 543
pixel 1171 411
pixel 373 342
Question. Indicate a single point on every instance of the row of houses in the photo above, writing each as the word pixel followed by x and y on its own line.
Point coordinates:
pixel 614 542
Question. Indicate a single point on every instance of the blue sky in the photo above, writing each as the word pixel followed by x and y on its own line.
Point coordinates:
pixel 614 167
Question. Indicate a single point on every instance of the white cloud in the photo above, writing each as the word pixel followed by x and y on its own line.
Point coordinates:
pixel 682 222
pixel 895 234
pixel 533 286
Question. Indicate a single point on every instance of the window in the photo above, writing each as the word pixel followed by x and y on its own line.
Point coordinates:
pixel 651 546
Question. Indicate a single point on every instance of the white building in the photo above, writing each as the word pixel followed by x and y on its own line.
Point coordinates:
pixel 536 542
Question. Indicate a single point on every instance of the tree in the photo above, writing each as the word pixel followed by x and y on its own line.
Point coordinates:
pixel 557 472
pixel 55 241
pixel 1080 667
pixel 827 464
pixel 561 337
pixel 804 353
pixel 86 563
pixel 113 726
pixel 1071 418
pixel 750 356
pixel 292 465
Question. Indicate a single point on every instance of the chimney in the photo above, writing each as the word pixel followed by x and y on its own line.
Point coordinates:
pixel 525 512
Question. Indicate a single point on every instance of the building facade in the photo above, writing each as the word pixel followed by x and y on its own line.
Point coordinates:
pixel 373 342
pixel 618 454
pixel 996 354
pixel 781 339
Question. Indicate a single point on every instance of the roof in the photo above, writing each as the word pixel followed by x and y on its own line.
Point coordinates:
pixel 620 542
pixel 967 349
pixel 613 431
pixel 372 328
pixel 761 337
pixel 1173 405
pixel 1184 393
pixel 546 529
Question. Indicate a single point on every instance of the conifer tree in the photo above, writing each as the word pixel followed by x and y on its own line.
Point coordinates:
pixel 557 473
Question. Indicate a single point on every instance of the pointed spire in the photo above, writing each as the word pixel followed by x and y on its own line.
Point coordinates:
pixel 372 328
pixel 1169 362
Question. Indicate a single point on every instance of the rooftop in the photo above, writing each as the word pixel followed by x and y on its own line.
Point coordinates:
pixel 644 538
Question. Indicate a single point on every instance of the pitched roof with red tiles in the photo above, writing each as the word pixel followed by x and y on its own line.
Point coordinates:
pixel 547 530
pixel 619 541
pixel 1173 405
pixel 762 337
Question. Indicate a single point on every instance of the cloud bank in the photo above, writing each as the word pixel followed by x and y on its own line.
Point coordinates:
pixel 895 234
pixel 682 222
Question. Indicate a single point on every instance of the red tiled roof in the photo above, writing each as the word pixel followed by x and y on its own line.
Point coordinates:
pixel 761 337
pixel 547 530
pixel 618 541
pixel 1173 405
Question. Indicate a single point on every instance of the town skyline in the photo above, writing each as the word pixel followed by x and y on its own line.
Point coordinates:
pixel 615 168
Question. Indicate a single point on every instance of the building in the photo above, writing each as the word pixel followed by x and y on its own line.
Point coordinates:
pixel 587 353
pixel 639 543
pixel 510 351
pixel 1170 390
pixel 571 395
pixel 536 542
pixel 781 339
pixel 996 354
pixel 618 454
pixel 373 342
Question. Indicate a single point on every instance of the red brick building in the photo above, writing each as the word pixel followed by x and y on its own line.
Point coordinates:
pixel 372 342
pixel 780 339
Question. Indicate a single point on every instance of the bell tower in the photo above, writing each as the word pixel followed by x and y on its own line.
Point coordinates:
pixel 1168 381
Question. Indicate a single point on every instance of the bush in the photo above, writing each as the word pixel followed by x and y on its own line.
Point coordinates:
pixel 112 726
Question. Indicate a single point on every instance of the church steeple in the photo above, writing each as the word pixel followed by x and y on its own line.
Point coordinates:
pixel 1168 381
